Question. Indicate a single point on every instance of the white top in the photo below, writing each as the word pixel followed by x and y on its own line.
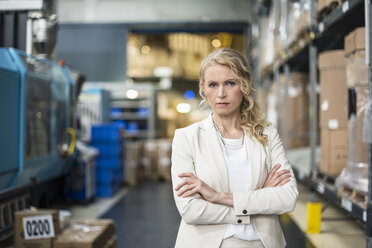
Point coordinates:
pixel 236 157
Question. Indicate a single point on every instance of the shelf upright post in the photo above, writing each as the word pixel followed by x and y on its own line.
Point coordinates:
pixel 368 22
pixel 313 63
pixel 286 105
pixel 277 94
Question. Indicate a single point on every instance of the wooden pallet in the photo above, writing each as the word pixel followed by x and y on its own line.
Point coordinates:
pixel 355 196
pixel 326 10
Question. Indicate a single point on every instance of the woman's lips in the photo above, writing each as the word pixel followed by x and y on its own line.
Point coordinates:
pixel 223 104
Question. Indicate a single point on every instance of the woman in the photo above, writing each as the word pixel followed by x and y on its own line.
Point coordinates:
pixel 230 174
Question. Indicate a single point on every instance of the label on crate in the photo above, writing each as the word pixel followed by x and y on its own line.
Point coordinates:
pixel 346 204
pixel 320 188
pixel 364 216
pixel 321 27
pixel 38 227
pixel 345 6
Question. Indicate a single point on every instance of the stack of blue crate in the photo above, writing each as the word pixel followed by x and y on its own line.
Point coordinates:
pixel 109 166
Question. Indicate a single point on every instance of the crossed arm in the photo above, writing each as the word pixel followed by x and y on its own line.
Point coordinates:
pixel 193 185
pixel 198 203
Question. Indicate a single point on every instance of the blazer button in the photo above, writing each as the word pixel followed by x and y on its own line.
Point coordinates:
pixel 239 221
pixel 244 211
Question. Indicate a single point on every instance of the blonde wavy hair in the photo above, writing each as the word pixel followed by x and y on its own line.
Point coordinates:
pixel 253 121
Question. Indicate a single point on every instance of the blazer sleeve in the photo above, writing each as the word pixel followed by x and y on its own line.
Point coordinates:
pixel 272 200
pixel 194 209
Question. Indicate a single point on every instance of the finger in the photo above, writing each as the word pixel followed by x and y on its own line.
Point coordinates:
pixel 284 182
pixel 183 183
pixel 282 172
pixel 274 170
pixel 281 179
pixel 185 189
pixel 191 192
pixel 187 174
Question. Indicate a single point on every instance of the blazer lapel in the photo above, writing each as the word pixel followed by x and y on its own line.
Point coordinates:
pixel 216 154
pixel 254 157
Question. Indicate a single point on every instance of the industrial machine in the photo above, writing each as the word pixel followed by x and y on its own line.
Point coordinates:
pixel 36 138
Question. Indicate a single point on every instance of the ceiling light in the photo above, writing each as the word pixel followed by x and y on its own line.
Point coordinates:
pixel 216 43
pixel 132 94
pixel 183 108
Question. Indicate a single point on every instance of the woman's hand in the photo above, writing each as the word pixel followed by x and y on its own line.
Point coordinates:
pixel 193 185
pixel 277 178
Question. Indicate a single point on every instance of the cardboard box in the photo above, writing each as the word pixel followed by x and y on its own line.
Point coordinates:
pixel 333 99
pixel 150 159
pixel 164 159
pixel 334 151
pixel 112 243
pixel 356 69
pixel 94 233
pixel 331 59
pixel 298 110
pixel 132 156
pixel 355 40
pixel 21 242
pixel 333 90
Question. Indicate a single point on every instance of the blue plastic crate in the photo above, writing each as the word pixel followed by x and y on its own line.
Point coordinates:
pixel 143 112
pixel 106 132
pixel 106 190
pixel 103 162
pixel 105 175
pixel 112 149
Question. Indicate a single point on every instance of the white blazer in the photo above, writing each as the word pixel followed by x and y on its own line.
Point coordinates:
pixel 196 149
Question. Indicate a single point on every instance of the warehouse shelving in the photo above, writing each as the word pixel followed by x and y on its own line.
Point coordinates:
pixel 140 111
pixel 137 114
pixel 326 35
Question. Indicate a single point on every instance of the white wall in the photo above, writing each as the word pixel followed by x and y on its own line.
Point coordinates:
pixel 134 11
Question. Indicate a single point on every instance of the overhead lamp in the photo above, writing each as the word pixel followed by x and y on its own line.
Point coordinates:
pixel 216 43
pixel 183 108
pixel 132 94
pixel 145 49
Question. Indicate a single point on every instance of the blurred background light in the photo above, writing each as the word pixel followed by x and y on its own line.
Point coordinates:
pixel 132 94
pixel 183 108
pixel 189 95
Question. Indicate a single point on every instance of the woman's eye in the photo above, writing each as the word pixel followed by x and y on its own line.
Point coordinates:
pixel 230 83
pixel 212 85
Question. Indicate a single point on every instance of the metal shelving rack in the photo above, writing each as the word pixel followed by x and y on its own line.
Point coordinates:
pixel 327 35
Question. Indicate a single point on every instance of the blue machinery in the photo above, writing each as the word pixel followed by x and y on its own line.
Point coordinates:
pixel 36 137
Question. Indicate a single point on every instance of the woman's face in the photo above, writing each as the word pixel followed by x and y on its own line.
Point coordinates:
pixel 222 90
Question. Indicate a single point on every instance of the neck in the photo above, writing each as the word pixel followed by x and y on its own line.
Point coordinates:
pixel 228 126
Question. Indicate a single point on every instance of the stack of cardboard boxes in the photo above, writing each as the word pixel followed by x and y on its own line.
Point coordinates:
pixel 297 122
pixel 132 157
pixel 344 93
pixel 333 111
pixel 357 83
pixel 157 159
pixel 150 159
pixel 89 233
pixel 355 175
pixel 41 229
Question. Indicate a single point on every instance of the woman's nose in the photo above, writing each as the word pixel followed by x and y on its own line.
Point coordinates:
pixel 221 92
